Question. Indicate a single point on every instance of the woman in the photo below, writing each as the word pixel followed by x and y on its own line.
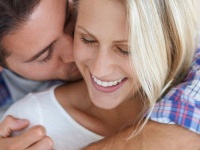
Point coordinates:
pixel 129 53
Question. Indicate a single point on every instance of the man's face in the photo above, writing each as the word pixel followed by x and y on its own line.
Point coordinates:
pixel 41 49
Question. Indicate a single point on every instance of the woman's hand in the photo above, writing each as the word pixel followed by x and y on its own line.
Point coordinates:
pixel 33 139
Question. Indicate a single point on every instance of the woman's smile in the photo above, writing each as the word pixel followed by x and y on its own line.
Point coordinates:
pixel 107 86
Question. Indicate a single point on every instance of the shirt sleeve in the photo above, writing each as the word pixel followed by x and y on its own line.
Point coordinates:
pixel 181 105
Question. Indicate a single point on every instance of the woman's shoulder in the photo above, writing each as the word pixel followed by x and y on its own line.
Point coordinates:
pixel 69 93
pixel 23 108
pixel 68 89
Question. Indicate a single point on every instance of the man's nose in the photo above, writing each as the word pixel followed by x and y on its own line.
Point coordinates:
pixel 67 49
pixel 67 57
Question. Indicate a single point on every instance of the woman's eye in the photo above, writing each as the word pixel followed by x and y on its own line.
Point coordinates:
pixel 123 52
pixel 87 41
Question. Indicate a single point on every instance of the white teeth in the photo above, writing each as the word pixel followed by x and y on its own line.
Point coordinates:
pixel 106 84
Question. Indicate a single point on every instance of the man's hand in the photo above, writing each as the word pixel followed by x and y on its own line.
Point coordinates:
pixel 32 139
pixel 154 136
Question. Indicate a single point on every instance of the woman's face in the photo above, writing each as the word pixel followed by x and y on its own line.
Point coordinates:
pixel 101 52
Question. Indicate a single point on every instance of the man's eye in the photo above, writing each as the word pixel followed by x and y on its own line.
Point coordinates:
pixel 85 41
pixel 48 57
pixel 123 52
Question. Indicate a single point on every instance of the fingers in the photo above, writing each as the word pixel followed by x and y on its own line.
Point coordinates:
pixel 33 139
pixel 30 136
pixel 10 124
pixel 45 144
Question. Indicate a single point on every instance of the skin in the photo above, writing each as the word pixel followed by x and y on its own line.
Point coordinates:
pixel 35 36
pixel 94 45
pixel 91 114
pixel 57 62
pixel 154 136
pixel 104 113
pixel 99 45
pixel 170 133
pixel 33 139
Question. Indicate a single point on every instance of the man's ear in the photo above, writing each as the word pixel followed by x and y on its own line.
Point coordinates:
pixel 1 68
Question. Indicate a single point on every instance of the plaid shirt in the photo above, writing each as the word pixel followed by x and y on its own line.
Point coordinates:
pixel 5 97
pixel 181 105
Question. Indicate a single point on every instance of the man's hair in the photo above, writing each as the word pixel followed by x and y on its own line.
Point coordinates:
pixel 13 13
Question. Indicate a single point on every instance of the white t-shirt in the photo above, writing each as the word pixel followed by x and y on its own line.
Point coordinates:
pixel 19 87
pixel 43 109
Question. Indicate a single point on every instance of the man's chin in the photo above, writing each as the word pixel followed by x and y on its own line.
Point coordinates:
pixel 74 78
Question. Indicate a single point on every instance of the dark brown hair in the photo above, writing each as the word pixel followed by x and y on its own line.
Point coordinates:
pixel 13 13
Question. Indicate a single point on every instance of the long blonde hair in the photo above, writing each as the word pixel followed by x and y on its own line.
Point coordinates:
pixel 162 44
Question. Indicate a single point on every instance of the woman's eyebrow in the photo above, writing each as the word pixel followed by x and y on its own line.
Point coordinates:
pixel 120 41
pixel 84 30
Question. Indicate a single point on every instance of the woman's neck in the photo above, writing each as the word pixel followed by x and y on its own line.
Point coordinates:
pixel 74 98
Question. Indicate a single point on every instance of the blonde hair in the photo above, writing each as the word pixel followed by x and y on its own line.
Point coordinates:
pixel 162 44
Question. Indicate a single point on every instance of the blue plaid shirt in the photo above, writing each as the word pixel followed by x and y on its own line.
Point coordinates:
pixel 5 97
pixel 181 105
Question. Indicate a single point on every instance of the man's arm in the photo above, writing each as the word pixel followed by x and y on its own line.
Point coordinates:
pixel 180 106
pixel 33 139
pixel 154 136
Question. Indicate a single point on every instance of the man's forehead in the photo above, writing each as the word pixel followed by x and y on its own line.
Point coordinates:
pixel 44 26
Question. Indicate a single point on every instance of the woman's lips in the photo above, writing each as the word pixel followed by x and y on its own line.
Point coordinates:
pixel 107 86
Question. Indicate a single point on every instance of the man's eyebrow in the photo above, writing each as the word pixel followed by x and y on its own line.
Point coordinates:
pixel 40 53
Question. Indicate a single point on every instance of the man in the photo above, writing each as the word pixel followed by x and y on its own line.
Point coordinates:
pixel 35 44
pixel 40 50
pixel 38 45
